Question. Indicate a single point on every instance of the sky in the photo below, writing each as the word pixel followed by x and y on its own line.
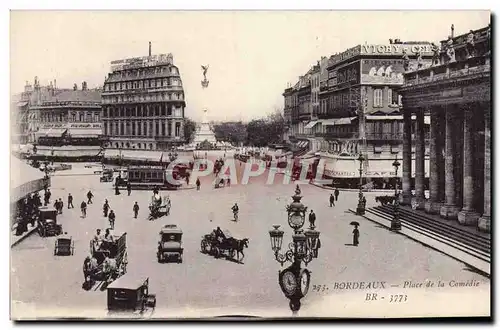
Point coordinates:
pixel 252 54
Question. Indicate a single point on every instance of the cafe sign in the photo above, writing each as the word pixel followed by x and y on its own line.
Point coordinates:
pixel 391 49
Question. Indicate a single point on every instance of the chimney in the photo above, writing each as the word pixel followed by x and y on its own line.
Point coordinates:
pixel 84 86
pixel 55 84
pixel 452 31
pixel 75 87
pixel 150 48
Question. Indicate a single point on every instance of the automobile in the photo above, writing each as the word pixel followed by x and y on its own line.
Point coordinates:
pixel 47 222
pixel 170 244
pixel 130 294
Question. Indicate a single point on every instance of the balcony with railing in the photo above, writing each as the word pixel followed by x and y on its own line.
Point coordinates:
pixel 338 135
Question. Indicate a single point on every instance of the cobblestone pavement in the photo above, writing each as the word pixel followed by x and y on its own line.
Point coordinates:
pixel 42 284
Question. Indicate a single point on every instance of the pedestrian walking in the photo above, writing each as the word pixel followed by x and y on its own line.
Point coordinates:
pixel 112 218
pixel 105 208
pixel 312 219
pixel 198 183
pixel 70 201
pixel 89 197
pixel 332 200
pixel 61 205
pixel 83 207
pixel 56 206
pixel 355 236
pixel 136 210
pixel 117 190
pixel 46 197
pixel 336 193
pixel 129 188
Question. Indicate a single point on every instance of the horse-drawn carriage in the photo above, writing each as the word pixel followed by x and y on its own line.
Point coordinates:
pixel 107 260
pixel 221 243
pixel 159 206
pixel 47 222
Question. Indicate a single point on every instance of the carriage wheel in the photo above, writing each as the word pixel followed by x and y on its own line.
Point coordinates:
pixel 216 252
pixel 204 248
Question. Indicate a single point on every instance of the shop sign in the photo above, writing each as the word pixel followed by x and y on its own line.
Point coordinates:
pixel 67 126
pixel 394 49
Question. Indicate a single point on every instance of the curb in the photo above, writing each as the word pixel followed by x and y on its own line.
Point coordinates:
pixel 484 272
pixel 24 236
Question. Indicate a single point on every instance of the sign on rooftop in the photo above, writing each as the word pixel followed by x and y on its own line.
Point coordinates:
pixel 141 62
pixel 380 50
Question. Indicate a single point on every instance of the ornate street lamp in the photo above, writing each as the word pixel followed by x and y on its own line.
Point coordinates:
pixel 360 210
pixel 294 280
pixel 396 223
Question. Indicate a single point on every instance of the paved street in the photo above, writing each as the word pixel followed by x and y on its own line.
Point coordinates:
pixel 51 286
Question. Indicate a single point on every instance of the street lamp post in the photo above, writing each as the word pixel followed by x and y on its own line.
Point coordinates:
pixel 294 280
pixel 396 223
pixel 360 210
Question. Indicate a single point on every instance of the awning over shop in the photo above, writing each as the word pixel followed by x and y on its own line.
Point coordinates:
pixel 427 119
pixel 22 104
pixel 24 179
pixel 337 121
pixel 51 132
pixel 85 132
pixel 143 155
pixel 311 124
pixel 302 144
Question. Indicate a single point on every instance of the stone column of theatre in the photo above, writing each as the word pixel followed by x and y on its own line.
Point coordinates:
pixel 485 220
pixel 441 153
pixel 420 160
pixel 433 205
pixel 458 135
pixel 449 210
pixel 468 216
pixel 406 182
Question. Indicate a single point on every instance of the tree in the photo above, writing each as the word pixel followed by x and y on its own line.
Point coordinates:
pixel 264 131
pixel 189 130
pixel 234 132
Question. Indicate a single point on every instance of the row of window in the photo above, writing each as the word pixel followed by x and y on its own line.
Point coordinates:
pixel 142 128
pixel 145 72
pixel 88 117
pixel 392 98
pixel 128 145
pixel 143 97
pixel 140 84
pixel 153 110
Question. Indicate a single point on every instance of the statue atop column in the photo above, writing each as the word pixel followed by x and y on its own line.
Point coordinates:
pixel 204 82
pixel 450 50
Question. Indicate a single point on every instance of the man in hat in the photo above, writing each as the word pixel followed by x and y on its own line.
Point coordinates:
pixel 332 200
pixel 312 218
pixel 105 208
pixel 136 210
pixel 89 197
pixel 70 201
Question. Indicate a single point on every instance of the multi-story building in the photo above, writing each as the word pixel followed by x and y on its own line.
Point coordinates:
pixel 143 103
pixel 359 110
pixel 456 93
pixel 63 117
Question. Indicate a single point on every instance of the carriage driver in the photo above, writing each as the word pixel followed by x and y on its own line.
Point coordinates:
pixel 97 240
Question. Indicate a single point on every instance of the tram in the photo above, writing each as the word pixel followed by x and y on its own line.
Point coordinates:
pixel 153 176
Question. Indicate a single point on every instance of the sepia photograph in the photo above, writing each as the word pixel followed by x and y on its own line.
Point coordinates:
pixel 355 144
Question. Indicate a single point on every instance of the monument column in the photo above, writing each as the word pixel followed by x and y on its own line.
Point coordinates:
pixel 407 195
pixel 484 222
pixel 468 216
pixel 449 210
pixel 420 160
pixel 433 205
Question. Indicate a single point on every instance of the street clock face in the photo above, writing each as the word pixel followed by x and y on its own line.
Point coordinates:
pixel 296 220
pixel 288 283
pixel 305 280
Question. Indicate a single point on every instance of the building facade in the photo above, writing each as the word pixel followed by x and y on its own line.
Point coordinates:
pixel 359 109
pixel 143 104
pixel 67 117
pixel 456 93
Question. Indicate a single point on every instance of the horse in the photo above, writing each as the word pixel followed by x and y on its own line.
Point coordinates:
pixel 238 245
